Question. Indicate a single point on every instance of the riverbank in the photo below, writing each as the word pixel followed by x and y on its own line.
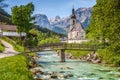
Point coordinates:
pixel 15 68
pixel 102 56
pixel 89 56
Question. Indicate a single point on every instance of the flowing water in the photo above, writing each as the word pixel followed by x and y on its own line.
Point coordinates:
pixel 74 69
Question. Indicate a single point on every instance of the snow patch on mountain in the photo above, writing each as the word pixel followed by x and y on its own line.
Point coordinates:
pixel 42 20
pixel 60 25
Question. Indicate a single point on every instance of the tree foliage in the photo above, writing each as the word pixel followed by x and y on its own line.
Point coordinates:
pixel 105 21
pixel 105 26
pixel 38 37
pixel 21 16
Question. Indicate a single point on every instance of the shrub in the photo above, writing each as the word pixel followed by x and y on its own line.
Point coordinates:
pixel 109 56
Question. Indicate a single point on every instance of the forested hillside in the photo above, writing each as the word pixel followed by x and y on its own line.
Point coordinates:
pixel 49 32
pixel 43 36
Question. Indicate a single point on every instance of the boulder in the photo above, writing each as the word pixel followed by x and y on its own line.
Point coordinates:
pixel 35 71
pixel 54 76
pixel 70 75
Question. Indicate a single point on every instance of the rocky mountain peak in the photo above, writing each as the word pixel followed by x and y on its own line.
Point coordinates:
pixel 57 18
pixel 42 20
pixel 54 20
pixel 59 24
pixel 82 15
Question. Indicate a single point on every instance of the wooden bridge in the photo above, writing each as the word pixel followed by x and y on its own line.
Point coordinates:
pixel 64 46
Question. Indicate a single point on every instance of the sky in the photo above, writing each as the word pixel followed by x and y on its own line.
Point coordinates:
pixel 52 8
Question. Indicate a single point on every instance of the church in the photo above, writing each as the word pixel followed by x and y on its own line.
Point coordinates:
pixel 76 33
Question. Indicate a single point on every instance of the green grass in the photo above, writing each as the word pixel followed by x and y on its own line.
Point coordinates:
pixel 14 68
pixel 2 47
pixel 78 53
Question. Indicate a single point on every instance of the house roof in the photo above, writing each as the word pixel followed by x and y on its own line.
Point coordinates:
pixel 8 27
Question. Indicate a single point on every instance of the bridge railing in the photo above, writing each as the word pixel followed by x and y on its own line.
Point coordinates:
pixel 65 46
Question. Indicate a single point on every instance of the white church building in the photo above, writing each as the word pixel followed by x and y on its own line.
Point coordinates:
pixel 76 33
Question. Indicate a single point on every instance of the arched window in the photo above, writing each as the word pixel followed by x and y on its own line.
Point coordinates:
pixel 73 22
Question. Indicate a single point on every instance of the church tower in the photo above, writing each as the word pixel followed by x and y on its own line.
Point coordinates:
pixel 76 32
pixel 72 19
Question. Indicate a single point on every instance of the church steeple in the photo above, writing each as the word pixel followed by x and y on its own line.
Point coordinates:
pixel 73 11
pixel 72 18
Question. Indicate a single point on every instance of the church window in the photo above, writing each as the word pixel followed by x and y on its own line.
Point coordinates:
pixel 73 22
pixel 77 33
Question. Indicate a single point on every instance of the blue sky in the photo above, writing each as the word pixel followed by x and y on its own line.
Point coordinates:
pixel 52 8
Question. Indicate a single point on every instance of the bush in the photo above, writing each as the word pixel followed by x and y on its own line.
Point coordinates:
pixel 49 41
pixel 109 56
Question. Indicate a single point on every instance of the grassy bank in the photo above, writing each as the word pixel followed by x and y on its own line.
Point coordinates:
pixel 14 68
pixel 2 48
pixel 78 53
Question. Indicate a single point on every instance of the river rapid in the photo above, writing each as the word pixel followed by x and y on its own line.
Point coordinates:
pixel 73 69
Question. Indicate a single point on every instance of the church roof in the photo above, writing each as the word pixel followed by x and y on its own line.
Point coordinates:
pixel 77 27
pixel 73 16
pixel 73 28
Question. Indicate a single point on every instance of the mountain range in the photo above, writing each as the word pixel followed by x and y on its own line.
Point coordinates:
pixel 61 25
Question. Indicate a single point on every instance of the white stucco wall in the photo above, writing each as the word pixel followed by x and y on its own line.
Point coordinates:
pixel 77 41
pixel 76 35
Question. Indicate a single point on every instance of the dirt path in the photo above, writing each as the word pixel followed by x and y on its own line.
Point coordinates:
pixel 9 51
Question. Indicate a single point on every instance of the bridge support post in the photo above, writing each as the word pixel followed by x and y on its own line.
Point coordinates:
pixel 62 55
